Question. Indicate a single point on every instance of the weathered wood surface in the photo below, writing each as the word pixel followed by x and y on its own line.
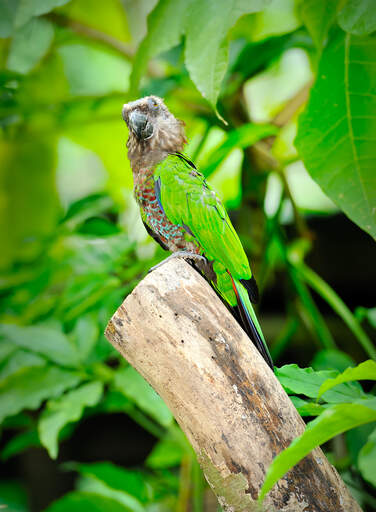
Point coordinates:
pixel 176 332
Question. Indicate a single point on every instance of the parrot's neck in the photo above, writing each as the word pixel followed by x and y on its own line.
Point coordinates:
pixel 146 154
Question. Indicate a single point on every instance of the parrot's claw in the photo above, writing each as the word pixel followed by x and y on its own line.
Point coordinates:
pixel 185 255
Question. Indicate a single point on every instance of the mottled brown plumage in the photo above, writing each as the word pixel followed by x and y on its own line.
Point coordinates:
pixel 168 134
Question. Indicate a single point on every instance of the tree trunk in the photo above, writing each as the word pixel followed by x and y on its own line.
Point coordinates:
pixel 177 333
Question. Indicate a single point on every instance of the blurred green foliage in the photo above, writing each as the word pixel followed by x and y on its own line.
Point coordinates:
pixel 73 246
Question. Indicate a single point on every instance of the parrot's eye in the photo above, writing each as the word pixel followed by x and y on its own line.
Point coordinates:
pixel 153 104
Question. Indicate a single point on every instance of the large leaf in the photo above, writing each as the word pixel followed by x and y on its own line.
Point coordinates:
pixel 28 388
pixel 305 381
pixel 66 409
pixel 333 421
pixel 318 16
pixel 29 44
pixel 337 131
pixel 44 340
pixel 18 360
pixel 205 25
pixel 93 485
pixel 206 47
pixel 165 28
pixel 364 371
pixel 367 459
pixel 27 9
pixel 115 477
pixel 82 501
pixel 135 387
pixel 358 17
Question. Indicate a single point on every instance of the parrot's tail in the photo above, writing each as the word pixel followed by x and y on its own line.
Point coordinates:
pixel 250 322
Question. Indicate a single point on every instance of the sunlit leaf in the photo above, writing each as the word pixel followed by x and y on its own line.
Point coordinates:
pixel 135 387
pixel 28 388
pixel 364 371
pixel 18 360
pixel 367 459
pixel 44 340
pixel 79 501
pixel 29 45
pixel 66 409
pixel 115 477
pixel 166 453
pixel 335 420
pixel 86 332
pixel 305 381
pixel 27 9
pixel 358 17
pixel 206 50
pixel 162 34
pixel 337 130
pixel 318 16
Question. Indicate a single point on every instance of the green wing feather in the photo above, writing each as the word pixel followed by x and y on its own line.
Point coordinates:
pixel 188 200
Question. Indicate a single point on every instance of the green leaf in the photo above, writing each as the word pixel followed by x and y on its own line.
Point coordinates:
pixel 364 371
pixel 335 420
pixel 86 333
pixel 44 340
pixel 82 501
pixel 305 381
pixel 165 29
pixel 358 17
pixel 206 25
pixel 206 47
pixel 318 16
pixel 337 131
pixel 13 497
pixel 18 360
pixel 27 9
pixel 165 454
pixel 8 9
pixel 29 45
pixel 20 443
pixel 331 360
pixel 367 459
pixel 64 410
pixel 115 477
pixel 305 408
pixel 242 137
pixel 135 387
pixel 28 388
pixel 95 486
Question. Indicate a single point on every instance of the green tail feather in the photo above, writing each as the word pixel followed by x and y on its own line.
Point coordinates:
pixel 252 325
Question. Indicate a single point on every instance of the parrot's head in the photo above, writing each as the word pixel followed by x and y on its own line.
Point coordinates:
pixel 153 131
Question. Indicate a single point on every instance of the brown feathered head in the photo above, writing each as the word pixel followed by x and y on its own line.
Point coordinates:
pixel 153 131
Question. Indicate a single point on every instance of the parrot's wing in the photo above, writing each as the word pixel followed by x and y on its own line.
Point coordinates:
pixel 189 201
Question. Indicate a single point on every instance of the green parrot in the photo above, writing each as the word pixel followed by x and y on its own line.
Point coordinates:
pixel 183 213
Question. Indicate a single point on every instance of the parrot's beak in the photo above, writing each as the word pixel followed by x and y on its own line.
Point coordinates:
pixel 140 125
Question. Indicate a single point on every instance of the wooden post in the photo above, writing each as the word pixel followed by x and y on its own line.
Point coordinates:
pixel 176 332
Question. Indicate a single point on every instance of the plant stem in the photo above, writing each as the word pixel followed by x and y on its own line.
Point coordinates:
pixel 327 293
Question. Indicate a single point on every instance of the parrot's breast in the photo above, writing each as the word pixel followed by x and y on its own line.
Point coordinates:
pixel 174 237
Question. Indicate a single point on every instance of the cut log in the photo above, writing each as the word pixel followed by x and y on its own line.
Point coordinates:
pixel 177 333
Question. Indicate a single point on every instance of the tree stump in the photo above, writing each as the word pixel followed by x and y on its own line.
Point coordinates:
pixel 177 333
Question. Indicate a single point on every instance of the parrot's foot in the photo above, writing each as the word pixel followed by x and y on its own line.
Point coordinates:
pixel 185 255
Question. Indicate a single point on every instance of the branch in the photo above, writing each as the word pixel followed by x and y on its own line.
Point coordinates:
pixel 81 29
pixel 177 333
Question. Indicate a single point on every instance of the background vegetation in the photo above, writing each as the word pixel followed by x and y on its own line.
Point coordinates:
pixel 295 83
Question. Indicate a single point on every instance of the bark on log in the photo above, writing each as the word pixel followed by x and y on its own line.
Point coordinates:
pixel 177 333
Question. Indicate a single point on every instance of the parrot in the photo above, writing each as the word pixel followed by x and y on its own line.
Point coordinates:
pixel 184 214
